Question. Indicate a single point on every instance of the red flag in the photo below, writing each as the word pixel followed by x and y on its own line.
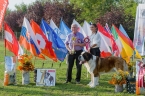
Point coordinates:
pixel 3 6
pixel 105 44
pixel 11 42
pixel 45 45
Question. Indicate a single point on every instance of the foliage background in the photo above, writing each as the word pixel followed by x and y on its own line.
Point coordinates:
pixel 103 11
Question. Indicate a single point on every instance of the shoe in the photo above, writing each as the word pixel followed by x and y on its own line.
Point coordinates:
pixel 66 81
pixel 77 82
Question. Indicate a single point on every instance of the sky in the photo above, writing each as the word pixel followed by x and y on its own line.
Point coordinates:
pixel 12 3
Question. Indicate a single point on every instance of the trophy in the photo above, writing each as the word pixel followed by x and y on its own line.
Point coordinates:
pixel 73 40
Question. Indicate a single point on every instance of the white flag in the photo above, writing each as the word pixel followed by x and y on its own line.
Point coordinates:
pixel 86 28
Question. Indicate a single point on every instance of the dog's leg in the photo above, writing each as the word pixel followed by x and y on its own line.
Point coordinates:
pixel 97 80
pixel 93 84
pixel 91 79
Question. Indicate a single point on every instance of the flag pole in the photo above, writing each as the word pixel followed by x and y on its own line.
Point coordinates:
pixel 3 34
pixel 34 60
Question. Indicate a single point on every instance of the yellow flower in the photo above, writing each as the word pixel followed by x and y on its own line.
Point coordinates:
pixel 25 63
pixel 119 77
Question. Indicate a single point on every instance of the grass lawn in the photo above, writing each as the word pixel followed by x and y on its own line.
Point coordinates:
pixel 61 89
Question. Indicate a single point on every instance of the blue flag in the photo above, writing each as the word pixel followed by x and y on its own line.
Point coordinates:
pixel 123 31
pixel 57 44
pixel 64 30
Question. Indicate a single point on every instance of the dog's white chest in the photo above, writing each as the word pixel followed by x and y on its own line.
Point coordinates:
pixel 90 67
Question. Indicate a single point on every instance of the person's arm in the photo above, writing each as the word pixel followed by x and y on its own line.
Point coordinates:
pixel 67 47
pixel 67 44
pixel 94 45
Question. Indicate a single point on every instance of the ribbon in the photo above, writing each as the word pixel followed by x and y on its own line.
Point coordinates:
pixel 87 41
pixel 141 75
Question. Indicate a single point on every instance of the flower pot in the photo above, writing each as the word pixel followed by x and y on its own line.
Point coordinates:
pixel 118 88
pixel 25 77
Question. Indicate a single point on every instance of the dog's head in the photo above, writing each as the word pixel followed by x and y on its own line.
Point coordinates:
pixel 85 57
pixel 47 74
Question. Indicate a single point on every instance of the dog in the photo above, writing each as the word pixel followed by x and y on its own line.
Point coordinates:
pixel 96 65
pixel 48 79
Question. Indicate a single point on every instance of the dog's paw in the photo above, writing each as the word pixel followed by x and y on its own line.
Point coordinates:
pixel 89 83
pixel 97 84
pixel 92 85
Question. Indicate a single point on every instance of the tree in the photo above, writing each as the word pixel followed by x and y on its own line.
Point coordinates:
pixel 35 12
pixel 13 20
pixel 22 7
pixel 117 16
pixel 56 10
pixel 91 9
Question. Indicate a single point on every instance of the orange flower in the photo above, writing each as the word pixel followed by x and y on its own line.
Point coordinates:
pixel 119 78
pixel 25 63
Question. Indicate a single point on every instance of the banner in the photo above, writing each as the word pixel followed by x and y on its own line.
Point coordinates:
pixel 3 6
pixel 140 78
pixel 139 31
pixel 46 77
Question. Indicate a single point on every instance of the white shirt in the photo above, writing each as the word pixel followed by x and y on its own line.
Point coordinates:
pixel 95 39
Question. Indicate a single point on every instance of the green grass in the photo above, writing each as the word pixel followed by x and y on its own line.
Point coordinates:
pixel 61 89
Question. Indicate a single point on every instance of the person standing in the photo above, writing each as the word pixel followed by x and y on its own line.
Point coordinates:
pixel 74 44
pixel 95 40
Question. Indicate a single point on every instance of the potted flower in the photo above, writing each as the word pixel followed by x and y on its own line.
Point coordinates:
pixel 118 79
pixel 25 65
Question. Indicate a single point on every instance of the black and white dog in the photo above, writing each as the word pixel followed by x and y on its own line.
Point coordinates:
pixel 48 79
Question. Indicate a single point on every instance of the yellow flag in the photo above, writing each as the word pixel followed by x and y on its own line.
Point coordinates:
pixel 127 51
pixel 137 55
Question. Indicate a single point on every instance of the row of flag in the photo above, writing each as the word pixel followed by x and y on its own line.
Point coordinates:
pixel 39 40
pixel 48 40
pixel 114 42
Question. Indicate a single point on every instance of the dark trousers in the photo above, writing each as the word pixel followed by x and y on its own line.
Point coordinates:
pixel 95 51
pixel 71 59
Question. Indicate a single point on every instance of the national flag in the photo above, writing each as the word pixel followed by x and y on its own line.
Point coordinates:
pixel 57 44
pixel 107 28
pixel 137 55
pixel 3 7
pixel 28 39
pixel 125 50
pixel 105 45
pixel 126 40
pixel 11 42
pixel 88 32
pixel 45 45
pixel 56 30
pixel 64 30
pixel 86 28
pixel 123 30
pixel 115 48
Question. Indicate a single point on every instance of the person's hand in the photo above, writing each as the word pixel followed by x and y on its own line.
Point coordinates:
pixel 89 50
pixel 71 52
